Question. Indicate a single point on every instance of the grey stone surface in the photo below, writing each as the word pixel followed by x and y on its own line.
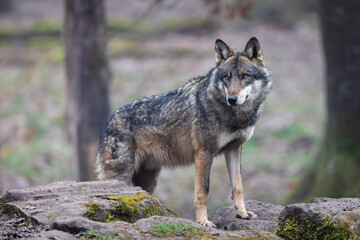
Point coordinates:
pixel 62 210
pixel 148 223
pixel 43 204
pixel 63 206
pixel 202 232
pixel 338 217
pixel 53 235
pixel 146 229
pixel 225 218
pixel 77 225
pixel 17 227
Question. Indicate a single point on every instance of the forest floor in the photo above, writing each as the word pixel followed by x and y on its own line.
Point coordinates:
pixel 33 144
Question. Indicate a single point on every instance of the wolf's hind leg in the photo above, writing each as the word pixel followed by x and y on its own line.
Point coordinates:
pixel 233 159
pixel 146 178
pixel 115 161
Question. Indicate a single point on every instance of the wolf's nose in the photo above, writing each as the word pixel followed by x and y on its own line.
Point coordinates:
pixel 232 100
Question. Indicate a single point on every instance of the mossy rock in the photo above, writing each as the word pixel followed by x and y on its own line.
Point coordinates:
pixel 128 208
pixel 328 219
pixel 95 211
pixel 102 201
pixel 180 228
pixel 155 227
pixel 171 230
pixel 306 229
pixel 134 207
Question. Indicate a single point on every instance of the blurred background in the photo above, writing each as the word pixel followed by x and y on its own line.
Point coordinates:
pixel 153 47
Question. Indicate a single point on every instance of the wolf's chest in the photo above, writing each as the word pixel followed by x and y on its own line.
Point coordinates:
pixel 224 138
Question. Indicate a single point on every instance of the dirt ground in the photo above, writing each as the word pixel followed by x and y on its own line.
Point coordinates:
pixel 33 144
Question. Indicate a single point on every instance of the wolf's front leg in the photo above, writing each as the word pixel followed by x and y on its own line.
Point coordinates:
pixel 233 164
pixel 203 161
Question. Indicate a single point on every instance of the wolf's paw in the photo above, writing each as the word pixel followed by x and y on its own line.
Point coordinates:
pixel 207 223
pixel 246 215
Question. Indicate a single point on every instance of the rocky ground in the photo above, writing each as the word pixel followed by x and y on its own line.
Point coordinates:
pixel 113 210
pixel 12 228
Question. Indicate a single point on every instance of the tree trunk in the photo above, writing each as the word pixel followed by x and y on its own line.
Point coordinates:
pixel 87 106
pixel 6 6
pixel 336 172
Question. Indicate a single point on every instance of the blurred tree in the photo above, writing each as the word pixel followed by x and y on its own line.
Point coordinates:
pixel 336 171
pixel 87 106
pixel 6 6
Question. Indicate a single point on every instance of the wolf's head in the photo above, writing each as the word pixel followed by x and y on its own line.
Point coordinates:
pixel 241 76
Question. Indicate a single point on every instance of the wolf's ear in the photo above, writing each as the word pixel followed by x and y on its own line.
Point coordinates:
pixel 253 51
pixel 222 51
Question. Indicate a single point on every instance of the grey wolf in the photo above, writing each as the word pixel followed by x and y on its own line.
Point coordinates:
pixel 210 115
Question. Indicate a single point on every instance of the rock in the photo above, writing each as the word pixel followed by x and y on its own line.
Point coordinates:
pixel 150 225
pixel 323 218
pixel 17 227
pixel 225 218
pixel 77 225
pixel 100 201
pixel 154 227
pixel 53 234
pixel 113 210
pixel 163 227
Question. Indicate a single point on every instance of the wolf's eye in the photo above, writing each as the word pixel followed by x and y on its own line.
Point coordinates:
pixel 244 76
pixel 228 76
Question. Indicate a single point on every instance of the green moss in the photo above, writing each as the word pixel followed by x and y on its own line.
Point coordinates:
pixel 168 230
pixel 132 199
pixel 111 218
pixel 130 208
pixel 94 210
pixel 127 208
pixel 98 236
pixel 325 229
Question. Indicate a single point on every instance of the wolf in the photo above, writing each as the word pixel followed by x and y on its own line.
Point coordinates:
pixel 210 115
